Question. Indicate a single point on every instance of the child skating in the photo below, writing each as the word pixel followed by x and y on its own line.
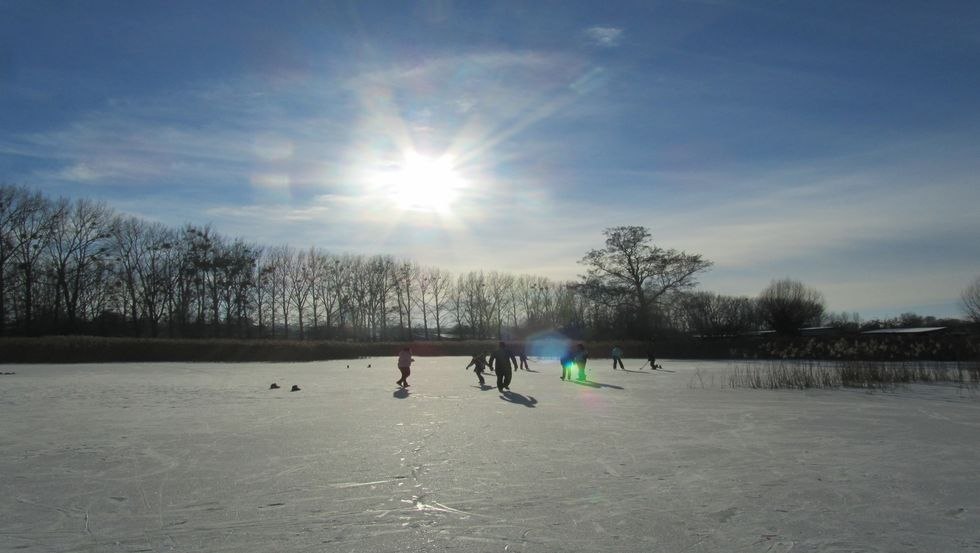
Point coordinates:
pixel 405 361
pixel 479 363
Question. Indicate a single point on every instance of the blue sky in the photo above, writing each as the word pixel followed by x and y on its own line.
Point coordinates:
pixel 831 142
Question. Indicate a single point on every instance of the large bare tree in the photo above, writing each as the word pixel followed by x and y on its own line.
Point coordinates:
pixel 631 273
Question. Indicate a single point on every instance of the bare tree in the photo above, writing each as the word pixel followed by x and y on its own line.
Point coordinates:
pixel 716 314
pixel 206 259
pixel 423 297
pixel 128 248
pixel 786 305
pixel 381 276
pixel 632 274
pixel 440 283
pixel 16 204
pixel 474 310
pixel 458 305
pixel 32 232
pixel 281 261
pixel 360 298
pixel 498 294
pixel 265 293
pixel 236 264
pixel 153 270
pixel 405 276
pixel 540 302
pixel 320 266
pixel 300 287
pixel 971 300
pixel 843 320
pixel 343 291
pixel 171 277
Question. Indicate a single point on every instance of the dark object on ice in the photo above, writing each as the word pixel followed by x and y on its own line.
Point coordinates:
pixel 369 365
pixel 295 388
pixel 651 355
pixel 274 386
pixel 348 366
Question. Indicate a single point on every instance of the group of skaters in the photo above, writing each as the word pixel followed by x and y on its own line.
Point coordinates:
pixel 503 362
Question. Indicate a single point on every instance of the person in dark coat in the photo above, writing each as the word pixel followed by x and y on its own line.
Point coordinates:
pixel 567 360
pixel 500 361
pixel 479 362
pixel 581 358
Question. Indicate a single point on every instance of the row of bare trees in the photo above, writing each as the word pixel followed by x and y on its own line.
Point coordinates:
pixel 79 267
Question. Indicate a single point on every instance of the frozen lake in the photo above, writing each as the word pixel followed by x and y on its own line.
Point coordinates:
pixel 204 457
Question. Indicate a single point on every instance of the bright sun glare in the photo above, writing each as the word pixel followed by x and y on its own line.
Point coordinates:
pixel 424 184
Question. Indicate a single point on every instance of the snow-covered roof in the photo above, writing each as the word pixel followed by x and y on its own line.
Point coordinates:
pixel 915 330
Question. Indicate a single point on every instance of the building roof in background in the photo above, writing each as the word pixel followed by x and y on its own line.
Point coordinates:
pixel 915 330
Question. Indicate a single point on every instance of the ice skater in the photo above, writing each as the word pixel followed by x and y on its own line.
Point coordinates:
pixel 523 358
pixel 581 358
pixel 405 361
pixel 500 361
pixel 652 357
pixel 617 355
pixel 567 360
pixel 479 363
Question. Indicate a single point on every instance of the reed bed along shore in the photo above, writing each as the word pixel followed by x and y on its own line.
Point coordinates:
pixel 803 374
pixel 95 349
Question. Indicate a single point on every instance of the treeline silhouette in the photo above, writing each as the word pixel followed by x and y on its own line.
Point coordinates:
pixel 79 267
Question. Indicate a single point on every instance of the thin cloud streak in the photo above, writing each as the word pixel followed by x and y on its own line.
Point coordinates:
pixel 606 37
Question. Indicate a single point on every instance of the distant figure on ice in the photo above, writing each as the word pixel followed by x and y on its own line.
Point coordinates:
pixel 479 362
pixel 405 361
pixel 523 357
pixel 567 360
pixel 617 355
pixel 651 356
pixel 500 361
pixel 581 358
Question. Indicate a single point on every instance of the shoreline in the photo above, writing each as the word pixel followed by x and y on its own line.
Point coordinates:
pixel 95 349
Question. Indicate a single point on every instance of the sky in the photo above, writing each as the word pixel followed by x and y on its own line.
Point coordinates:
pixel 834 142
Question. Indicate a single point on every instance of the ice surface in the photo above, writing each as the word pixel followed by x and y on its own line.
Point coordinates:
pixel 205 457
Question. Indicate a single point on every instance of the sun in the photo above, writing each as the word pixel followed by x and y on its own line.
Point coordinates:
pixel 422 183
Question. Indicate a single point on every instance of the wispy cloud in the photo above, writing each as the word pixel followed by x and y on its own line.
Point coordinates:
pixel 606 37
